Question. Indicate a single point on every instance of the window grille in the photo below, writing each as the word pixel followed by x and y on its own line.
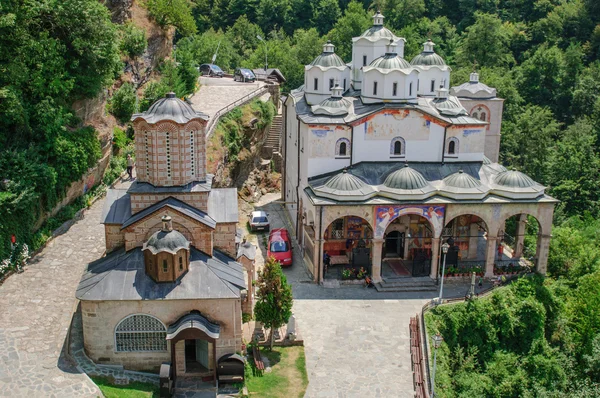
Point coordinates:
pixel 140 333
pixel 168 141
pixel 337 229
pixel 192 152
pixel 165 266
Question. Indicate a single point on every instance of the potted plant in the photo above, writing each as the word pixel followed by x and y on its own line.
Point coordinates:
pixel 347 273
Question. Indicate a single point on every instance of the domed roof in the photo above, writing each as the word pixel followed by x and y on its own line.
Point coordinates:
pixel 167 239
pixel 405 178
pixel 473 89
pixel 377 31
pixel 336 105
pixel 170 108
pixel 328 57
pixel 461 179
pixel 428 57
pixel 390 61
pixel 449 106
pixel 345 181
pixel 514 179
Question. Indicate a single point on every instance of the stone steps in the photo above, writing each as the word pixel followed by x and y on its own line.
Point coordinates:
pixel 406 285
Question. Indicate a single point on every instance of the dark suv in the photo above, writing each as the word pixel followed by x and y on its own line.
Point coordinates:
pixel 211 70
pixel 244 75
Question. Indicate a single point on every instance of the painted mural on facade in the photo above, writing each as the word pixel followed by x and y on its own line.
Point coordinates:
pixel 384 215
pixel 384 125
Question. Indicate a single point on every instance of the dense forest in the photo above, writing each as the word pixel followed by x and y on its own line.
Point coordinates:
pixel 543 56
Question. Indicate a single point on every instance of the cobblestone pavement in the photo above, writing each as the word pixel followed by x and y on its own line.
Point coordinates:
pixel 356 340
pixel 35 313
pixel 217 93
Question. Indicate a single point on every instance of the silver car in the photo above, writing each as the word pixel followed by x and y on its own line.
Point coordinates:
pixel 259 221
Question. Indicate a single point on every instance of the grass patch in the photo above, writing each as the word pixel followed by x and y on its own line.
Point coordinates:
pixel 288 377
pixel 132 390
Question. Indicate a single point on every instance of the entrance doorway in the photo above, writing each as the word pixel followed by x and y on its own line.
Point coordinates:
pixel 196 356
pixel 394 244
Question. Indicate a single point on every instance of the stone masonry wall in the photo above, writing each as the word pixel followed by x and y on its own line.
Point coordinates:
pixel 101 318
pixel 224 238
pixel 114 236
pixel 199 235
pixel 199 200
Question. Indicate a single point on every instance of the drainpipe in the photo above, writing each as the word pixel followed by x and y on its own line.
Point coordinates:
pixel 351 144
pixel 298 182
pixel 444 144
pixel 320 267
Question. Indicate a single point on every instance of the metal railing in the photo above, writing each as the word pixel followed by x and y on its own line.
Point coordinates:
pixel 212 124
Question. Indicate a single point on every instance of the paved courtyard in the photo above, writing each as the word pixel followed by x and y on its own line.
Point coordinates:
pixel 356 339
pixel 35 313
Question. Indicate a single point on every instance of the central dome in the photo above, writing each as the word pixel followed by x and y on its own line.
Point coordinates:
pixel 170 108
pixel 166 239
pixel 514 179
pixel 345 181
pixel 390 61
pixel 405 178
pixel 328 57
pixel 463 180
pixel 428 57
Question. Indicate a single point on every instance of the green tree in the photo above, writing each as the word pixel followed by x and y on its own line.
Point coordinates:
pixel 133 41
pixel 123 102
pixel 400 13
pixel 176 13
pixel 487 42
pixel 272 14
pixel 354 22
pixel 326 14
pixel 527 142
pixel 574 165
pixel 273 297
pixel 243 36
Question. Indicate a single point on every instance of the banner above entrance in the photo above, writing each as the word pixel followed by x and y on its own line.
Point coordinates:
pixel 384 215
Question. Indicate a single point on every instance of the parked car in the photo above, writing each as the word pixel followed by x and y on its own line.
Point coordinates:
pixel 280 246
pixel 244 75
pixel 211 70
pixel 259 221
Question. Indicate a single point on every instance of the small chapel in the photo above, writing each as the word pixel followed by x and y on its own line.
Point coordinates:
pixel 386 165
pixel 169 288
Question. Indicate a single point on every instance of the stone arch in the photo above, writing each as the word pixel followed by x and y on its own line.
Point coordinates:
pixel 338 211
pixel 477 110
pixel 393 212
pixel 394 146
pixel 453 212
pixel 338 147
pixel 167 127
pixel 454 144
pixel 544 230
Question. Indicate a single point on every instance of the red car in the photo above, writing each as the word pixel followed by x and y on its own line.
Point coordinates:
pixel 280 246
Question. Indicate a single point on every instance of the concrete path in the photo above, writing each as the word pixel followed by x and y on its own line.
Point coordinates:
pixel 356 340
pixel 216 93
pixel 35 313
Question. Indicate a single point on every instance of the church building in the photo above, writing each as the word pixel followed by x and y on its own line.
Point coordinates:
pixel 385 163
pixel 169 288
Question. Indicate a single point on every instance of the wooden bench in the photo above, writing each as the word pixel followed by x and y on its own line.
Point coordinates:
pixel 258 362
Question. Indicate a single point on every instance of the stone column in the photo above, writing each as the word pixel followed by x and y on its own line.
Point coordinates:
pixel 542 253
pixel 376 268
pixel 180 357
pixel 490 255
pixel 435 257
pixel 473 238
pixel 520 238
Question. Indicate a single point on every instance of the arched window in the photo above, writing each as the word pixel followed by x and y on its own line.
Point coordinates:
pixel 475 115
pixel 410 89
pixel 452 146
pixel 397 147
pixel 482 117
pixel 342 147
pixel 140 333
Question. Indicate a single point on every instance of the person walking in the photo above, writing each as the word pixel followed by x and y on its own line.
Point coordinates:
pixel 130 166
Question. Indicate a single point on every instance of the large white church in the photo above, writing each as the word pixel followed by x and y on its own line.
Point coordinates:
pixel 384 163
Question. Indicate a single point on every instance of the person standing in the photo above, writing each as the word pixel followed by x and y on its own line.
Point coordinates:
pixel 130 166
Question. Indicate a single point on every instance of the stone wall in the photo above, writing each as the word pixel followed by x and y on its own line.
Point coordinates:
pixel 139 201
pixel 101 318
pixel 224 238
pixel 114 236
pixel 199 235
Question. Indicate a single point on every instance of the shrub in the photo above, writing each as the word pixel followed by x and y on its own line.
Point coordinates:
pixel 123 103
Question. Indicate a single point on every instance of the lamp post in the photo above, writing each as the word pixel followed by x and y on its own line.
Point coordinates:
pixel 437 341
pixel 266 51
pixel 445 248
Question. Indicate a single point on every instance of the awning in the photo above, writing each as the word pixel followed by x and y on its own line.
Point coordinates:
pixel 193 321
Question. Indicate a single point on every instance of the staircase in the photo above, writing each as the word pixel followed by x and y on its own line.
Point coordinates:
pixel 423 284
pixel 274 136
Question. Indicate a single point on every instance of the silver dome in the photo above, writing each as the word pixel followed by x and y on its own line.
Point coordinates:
pixel 405 178
pixel 170 108
pixel 462 180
